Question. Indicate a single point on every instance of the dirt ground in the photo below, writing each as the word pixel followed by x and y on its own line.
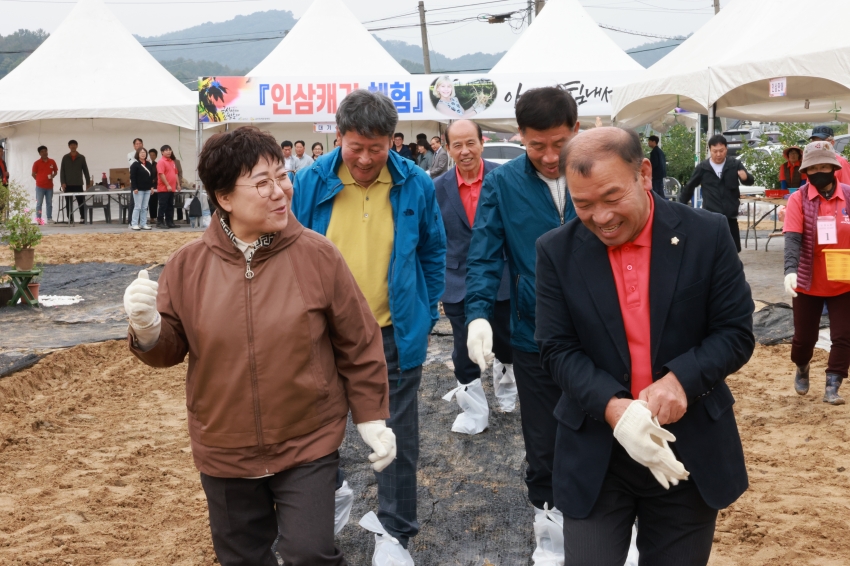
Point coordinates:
pixel 136 248
pixel 96 466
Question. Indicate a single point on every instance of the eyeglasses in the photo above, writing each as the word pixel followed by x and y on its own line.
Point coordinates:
pixel 265 188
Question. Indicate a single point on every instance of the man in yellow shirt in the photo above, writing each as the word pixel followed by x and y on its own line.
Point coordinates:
pixel 381 211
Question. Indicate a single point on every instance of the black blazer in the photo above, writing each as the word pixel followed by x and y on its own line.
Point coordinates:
pixel 458 236
pixel 142 178
pixel 701 330
pixel 719 194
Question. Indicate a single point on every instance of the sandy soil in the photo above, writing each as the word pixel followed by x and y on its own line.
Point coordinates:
pixel 134 248
pixel 96 466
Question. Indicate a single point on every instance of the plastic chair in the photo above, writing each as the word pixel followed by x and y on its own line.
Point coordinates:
pixel 100 202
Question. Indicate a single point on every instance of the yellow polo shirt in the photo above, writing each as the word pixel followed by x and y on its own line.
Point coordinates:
pixel 362 228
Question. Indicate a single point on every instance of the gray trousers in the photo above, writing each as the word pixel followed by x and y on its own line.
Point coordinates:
pixel 675 527
pixel 289 514
pixel 397 483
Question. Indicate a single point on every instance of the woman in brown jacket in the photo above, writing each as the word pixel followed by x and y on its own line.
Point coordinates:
pixel 281 346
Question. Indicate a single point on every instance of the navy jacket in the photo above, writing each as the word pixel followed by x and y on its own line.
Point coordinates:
pixel 719 194
pixel 418 261
pixel 458 236
pixel 515 208
pixel 659 163
pixel 701 330
pixel 404 151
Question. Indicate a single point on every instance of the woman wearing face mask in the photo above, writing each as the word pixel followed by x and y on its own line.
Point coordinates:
pixel 817 219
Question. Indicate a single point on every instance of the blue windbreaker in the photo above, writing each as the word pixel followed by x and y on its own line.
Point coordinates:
pixel 418 263
pixel 515 208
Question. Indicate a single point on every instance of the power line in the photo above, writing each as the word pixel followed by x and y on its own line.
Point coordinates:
pixel 653 49
pixel 640 33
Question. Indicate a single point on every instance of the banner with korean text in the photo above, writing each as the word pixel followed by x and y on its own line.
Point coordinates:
pixel 416 97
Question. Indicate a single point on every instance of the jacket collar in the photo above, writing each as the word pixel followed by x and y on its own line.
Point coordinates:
pixel 219 242
pixel 327 166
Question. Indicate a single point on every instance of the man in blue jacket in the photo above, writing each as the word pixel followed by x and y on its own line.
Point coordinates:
pixel 458 193
pixel 379 209
pixel 520 201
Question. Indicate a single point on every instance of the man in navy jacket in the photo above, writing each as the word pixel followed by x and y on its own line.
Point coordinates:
pixel 458 192
pixel 621 363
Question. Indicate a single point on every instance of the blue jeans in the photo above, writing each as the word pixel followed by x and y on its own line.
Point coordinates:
pixel 40 195
pixel 397 483
pixel 140 208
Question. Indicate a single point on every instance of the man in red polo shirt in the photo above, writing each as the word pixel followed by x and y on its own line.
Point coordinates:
pixel 643 310
pixel 43 171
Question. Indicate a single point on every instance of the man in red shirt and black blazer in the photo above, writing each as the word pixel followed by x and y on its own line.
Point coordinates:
pixel 643 310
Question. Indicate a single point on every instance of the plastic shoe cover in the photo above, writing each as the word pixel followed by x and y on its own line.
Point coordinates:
pixel 549 537
pixel 504 385
pixel 388 551
pixel 343 500
pixel 632 558
pixel 472 401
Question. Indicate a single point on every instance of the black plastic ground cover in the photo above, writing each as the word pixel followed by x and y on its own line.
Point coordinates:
pixel 774 324
pixel 12 362
pixel 99 317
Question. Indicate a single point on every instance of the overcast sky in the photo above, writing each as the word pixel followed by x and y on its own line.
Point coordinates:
pixel 154 17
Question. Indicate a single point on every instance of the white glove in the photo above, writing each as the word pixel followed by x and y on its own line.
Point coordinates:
pixel 140 306
pixel 380 439
pixel 646 442
pixel 791 284
pixel 479 342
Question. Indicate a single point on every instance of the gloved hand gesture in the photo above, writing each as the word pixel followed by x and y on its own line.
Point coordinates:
pixel 479 342
pixel 381 439
pixel 140 302
pixel 646 442
pixel 791 284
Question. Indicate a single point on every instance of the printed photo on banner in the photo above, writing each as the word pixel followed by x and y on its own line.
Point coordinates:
pixel 462 99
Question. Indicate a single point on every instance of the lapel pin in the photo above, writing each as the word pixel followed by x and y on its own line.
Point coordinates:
pixel 674 240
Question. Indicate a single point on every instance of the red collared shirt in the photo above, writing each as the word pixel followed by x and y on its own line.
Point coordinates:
pixel 469 192
pixel 630 264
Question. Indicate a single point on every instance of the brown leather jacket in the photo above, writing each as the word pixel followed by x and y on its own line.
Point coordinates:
pixel 276 361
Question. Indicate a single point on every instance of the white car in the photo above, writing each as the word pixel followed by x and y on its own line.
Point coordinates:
pixel 502 152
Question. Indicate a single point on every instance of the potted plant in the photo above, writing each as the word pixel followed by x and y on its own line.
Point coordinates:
pixel 18 229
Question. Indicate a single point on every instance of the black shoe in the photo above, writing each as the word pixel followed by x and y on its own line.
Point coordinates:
pixel 172 226
pixel 801 380
pixel 830 395
pixel 160 225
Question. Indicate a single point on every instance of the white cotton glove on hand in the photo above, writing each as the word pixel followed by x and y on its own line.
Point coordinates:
pixel 791 284
pixel 479 342
pixel 381 439
pixel 646 442
pixel 140 306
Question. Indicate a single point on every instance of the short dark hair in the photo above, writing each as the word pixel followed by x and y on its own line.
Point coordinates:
pixel 626 146
pixel 41 147
pixel 424 143
pixel 477 125
pixel 137 140
pixel 138 151
pixel 152 151
pixel 421 136
pixel 717 139
pixel 398 135
pixel 370 114
pixel 229 155
pixel 72 142
pixel 312 147
pixel 301 142
pixel 285 144
pixel 439 141
pixel 546 107
pixel 653 139
pixel 166 146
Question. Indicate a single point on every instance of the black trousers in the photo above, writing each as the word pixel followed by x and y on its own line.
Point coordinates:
pixel 467 371
pixel 538 395
pixel 736 232
pixel 288 515
pixel 81 203
pixel 165 212
pixel 807 313
pixel 675 527
pixel 153 204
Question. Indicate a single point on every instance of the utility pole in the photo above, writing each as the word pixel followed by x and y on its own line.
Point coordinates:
pixel 423 27
pixel 530 4
pixel 538 5
pixel 716 7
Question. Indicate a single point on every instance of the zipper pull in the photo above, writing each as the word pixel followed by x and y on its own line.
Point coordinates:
pixel 249 274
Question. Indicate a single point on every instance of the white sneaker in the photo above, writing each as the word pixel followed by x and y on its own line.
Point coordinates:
pixel 549 537
pixel 135 228
pixel 388 550
pixel 473 402
pixel 343 501
pixel 504 385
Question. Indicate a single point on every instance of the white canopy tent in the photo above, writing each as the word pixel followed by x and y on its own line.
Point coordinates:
pixel 730 67
pixel 347 49
pixel 92 81
pixel 566 44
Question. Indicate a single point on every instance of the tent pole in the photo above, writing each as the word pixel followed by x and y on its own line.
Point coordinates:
pixel 697 155
pixel 711 111
pixel 199 142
